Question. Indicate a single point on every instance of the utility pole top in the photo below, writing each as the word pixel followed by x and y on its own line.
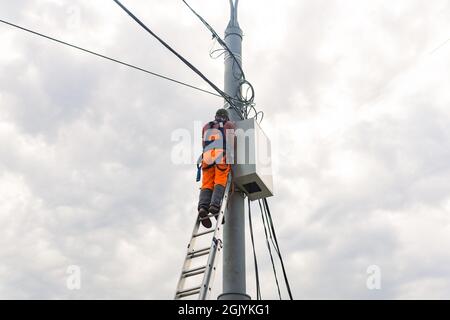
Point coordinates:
pixel 233 25
pixel 233 15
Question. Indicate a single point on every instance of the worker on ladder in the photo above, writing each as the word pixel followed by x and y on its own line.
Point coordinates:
pixel 218 139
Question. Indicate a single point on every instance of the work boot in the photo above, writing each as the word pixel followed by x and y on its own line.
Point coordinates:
pixel 203 205
pixel 206 222
pixel 216 199
pixel 214 210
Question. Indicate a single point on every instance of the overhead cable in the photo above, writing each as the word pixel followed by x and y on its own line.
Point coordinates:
pixel 269 249
pixel 272 228
pixel 258 287
pixel 217 37
pixel 179 56
pixel 108 58
pixel 248 104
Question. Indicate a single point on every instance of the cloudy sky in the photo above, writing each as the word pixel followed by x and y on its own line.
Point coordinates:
pixel 356 96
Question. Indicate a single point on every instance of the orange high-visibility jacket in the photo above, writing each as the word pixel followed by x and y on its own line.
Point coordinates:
pixel 215 136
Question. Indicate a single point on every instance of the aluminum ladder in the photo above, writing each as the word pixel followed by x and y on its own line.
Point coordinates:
pixel 207 271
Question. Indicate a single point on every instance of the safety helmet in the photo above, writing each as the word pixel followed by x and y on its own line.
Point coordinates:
pixel 222 114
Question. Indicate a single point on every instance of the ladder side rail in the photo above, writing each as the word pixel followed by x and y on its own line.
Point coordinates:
pixel 216 246
pixel 187 262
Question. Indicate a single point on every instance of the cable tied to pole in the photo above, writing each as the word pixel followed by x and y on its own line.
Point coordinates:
pixel 217 38
pixel 245 100
pixel 183 59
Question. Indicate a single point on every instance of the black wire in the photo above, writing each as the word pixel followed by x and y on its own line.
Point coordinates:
pixel 245 102
pixel 212 51
pixel 179 56
pixel 288 287
pixel 270 250
pixel 108 58
pixel 258 287
pixel 262 116
pixel 270 231
pixel 217 37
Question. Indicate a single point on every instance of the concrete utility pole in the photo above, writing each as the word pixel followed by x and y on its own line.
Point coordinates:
pixel 234 282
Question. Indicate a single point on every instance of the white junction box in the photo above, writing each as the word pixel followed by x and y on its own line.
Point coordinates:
pixel 253 169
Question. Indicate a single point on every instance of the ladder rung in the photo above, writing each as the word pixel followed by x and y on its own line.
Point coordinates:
pixel 193 256
pixel 199 251
pixel 194 272
pixel 203 233
pixel 183 295
pixel 188 292
pixel 195 269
